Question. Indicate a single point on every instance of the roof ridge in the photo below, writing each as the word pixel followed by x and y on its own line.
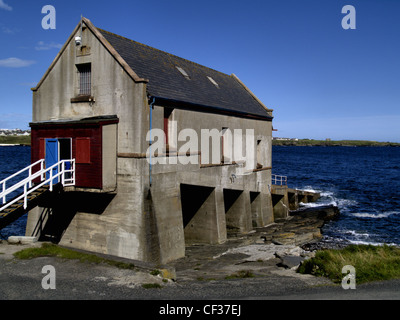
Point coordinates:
pixel 162 51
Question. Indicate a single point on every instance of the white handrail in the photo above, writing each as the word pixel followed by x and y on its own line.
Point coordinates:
pixel 279 180
pixel 27 182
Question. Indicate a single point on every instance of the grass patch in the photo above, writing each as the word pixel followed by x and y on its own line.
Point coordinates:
pixel 241 275
pixel 152 286
pixel 52 250
pixel 371 263
pixel 155 272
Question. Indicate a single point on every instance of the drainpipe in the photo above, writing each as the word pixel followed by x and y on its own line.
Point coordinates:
pixel 151 140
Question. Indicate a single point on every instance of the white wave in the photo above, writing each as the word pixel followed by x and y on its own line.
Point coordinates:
pixel 373 243
pixel 357 234
pixel 375 215
pixel 346 202
pixel 326 194
pixel 310 189
pixel 316 204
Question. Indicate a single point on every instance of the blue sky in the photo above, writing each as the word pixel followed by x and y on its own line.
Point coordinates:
pixel 321 80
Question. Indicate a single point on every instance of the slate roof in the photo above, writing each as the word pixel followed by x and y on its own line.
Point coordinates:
pixel 166 82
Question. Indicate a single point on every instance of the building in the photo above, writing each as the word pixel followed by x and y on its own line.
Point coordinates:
pixel 103 101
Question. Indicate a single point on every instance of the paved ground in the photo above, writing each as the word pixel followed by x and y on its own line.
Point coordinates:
pixel 208 272
pixel 23 279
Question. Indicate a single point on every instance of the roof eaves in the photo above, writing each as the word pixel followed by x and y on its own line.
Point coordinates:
pixel 106 44
pixel 205 108
pixel 113 52
pixel 251 93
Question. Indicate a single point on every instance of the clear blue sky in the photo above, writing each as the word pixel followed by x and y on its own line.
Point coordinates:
pixel 321 80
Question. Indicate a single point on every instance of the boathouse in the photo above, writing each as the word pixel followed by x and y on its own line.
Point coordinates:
pixel 99 103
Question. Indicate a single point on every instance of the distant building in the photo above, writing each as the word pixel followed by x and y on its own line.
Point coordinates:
pixel 285 139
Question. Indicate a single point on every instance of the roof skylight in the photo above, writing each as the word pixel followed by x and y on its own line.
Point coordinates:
pixel 213 81
pixel 184 73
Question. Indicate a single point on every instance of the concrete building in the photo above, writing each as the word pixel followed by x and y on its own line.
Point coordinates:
pixel 100 102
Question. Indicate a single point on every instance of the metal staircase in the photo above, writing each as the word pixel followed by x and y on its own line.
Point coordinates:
pixel 37 182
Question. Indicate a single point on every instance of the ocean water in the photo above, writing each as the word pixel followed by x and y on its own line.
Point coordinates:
pixel 12 160
pixel 364 182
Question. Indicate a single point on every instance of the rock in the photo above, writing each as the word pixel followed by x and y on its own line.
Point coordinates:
pixel 290 262
pixel 284 238
pixel 260 241
pixel 21 240
pixel 324 213
pixel 168 273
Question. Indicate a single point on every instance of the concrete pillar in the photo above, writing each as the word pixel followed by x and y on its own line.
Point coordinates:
pixel 293 199
pixel 256 210
pixel 167 211
pixel 261 209
pixel 203 217
pixel 237 211
pixel 280 202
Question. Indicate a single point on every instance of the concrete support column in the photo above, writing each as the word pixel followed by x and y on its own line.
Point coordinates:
pixel 237 211
pixel 261 209
pixel 207 224
pixel 280 202
pixel 167 212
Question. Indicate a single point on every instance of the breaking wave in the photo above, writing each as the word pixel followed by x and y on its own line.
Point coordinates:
pixel 375 215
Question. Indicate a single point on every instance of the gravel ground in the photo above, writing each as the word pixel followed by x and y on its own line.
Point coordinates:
pixel 74 280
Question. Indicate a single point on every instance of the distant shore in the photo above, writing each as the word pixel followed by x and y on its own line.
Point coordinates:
pixel 15 140
pixel 332 143
pixel 20 140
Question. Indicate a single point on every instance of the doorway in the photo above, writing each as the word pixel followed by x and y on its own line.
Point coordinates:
pixel 56 150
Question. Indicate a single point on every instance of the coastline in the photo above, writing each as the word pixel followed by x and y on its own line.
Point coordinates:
pixel 332 143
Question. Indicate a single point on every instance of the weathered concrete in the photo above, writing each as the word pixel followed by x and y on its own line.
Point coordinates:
pixel 280 202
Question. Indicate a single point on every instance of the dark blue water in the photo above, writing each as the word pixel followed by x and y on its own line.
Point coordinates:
pixel 362 181
pixel 12 160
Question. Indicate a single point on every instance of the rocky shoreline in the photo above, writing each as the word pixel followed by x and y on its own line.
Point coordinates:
pixel 279 246
pixel 260 263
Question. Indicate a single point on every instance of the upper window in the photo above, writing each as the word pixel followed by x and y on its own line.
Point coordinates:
pixel 85 79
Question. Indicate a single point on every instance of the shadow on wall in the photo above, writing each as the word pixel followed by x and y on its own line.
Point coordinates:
pixel 59 208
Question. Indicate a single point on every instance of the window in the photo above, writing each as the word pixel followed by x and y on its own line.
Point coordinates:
pixel 82 150
pixel 226 145
pixel 85 79
pixel 183 72
pixel 213 82
pixel 167 116
pixel 259 154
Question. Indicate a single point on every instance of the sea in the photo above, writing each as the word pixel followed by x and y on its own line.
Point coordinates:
pixel 12 160
pixel 363 182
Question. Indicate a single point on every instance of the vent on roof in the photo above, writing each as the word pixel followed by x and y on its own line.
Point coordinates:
pixel 183 72
pixel 213 82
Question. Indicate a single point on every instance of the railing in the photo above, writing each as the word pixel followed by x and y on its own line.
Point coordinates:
pixel 64 169
pixel 279 180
